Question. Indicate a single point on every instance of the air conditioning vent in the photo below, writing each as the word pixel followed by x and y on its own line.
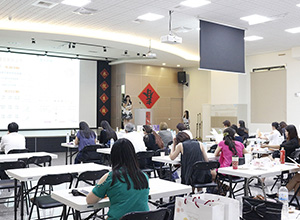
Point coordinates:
pixel 45 3
pixel 85 11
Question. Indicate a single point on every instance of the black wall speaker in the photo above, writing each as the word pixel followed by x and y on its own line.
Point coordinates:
pixel 181 77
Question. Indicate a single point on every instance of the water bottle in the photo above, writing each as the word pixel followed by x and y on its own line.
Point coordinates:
pixel 111 142
pixel 282 155
pixel 68 138
pixel 283 197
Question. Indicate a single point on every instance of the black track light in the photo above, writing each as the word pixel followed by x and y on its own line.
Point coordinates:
pixel 126 52
pixel 32 40
pixel 104 49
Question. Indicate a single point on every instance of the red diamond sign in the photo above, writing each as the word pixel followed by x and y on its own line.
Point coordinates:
pixel 104 98
pixel 103 110
pixel 149 96
pixel 104 85
pixel 104 73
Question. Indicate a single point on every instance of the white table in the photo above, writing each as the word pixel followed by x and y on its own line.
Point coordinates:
pixel 69 153
pixel 158 189
pixel 29 174
pixel 104 150
pixel 15 157
pixel 247 172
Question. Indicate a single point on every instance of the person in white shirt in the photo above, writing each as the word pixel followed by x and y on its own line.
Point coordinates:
pixel 183 128
pixel 134 137
pixel 275 137
pixel 12 140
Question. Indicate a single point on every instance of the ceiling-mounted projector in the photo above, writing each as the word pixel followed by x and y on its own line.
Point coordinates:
pixel 171 39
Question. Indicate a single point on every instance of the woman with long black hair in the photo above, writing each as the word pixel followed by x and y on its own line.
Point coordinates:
pixel 242 130
pixel 85 136
pixel 228 148
pixel 186 119
pixel 107 133
pixel 126 186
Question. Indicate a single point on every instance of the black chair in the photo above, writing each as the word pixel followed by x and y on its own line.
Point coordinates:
pixel 44 200
pixel 18 151
pixel 163 171
pixel 7 183
pixel 90 176
pixel 40 161
pixel 233 180
pixel 145 162
pixel 296 198
pixel 198 168
pixel 158 214
pixel 89 154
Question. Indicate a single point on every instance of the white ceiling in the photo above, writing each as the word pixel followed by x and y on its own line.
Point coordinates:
pixel 117 16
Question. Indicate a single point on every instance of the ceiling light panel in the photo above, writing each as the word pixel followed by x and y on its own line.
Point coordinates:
pixel 253 38
pixel 150 17
pixel 293 30
pixel 255 19
pixel 195 3
pixel 77 3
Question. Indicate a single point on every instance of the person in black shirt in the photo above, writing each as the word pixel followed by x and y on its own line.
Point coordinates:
pixel 242 131
pixel 107 133
pixel 290 144
pixel 152 140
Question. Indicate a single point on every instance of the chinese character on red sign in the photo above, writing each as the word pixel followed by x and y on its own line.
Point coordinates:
pixel 104 73
pixel 104 85
pixel 149 96
pixel 103 110
pixel 104 98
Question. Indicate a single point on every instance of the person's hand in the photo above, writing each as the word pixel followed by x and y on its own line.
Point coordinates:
pixel 264 146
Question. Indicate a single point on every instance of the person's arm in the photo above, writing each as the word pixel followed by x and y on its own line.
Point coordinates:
pixel 203 152
pixel 218 151
pixel 175 151
pixel 245 151
pixel 274 147
pixel 91 197
pixel 76 141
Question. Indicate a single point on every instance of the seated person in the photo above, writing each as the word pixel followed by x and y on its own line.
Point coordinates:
pixel 290 144
pixel 229 147
pixel 151 139
pixel 182 127
pixel 12 140
pixel 107 133
pixel 126 186
pixel 294 183
pixel 274 137
pixel 242 131
pixel 165 135
pixel 236 136
pixel 85 137
pixel 226 124
pixel 191 152
pixel 135 138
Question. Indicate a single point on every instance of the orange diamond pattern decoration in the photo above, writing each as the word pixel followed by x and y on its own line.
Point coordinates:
pixel 103 110
pixel 104 85
pixel 104 73
pixel 104 98
pixel 149 96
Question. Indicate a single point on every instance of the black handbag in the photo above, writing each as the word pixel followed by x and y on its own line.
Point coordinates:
pixel 255 209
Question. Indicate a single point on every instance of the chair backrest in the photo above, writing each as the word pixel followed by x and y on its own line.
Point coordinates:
pixel 90 154
pixel 38 160
pixel 201 165
pixel 18 151
pixel 296 155
pixel 90 176
pixel 144 158
pixel 201 171
pixel 12 165
pixel 56 179
pixel 241 160
pixel 157 152
pixel 158 214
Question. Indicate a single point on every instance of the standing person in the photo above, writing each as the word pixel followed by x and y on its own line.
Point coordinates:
pixel 12 140
pixel 274 137
pixel 107 133
pixel 151 139
pixel 165 135
pixel 290 144
pixel 242 130
pixel 126 108
pixel 85 137
pixel 126 186
pixel 186 119
pixel 191 151
pixel 229 147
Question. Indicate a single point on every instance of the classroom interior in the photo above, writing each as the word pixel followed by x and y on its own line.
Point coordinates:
pixel 112 32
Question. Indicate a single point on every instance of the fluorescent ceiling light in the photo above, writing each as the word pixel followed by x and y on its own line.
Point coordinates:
pixel 255 19
pixel 293 30
pixel 298 5
pixel 77 3
pixel 195 3
pixel 253 38
pixel 178 65
pixel 163 64
pixel 150 17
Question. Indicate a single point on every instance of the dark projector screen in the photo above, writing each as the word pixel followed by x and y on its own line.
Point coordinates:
pixel 221 48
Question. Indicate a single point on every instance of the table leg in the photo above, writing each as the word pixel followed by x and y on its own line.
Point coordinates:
pixel 22 200
pixel 230 186
pixel 71 156
pixel 245 189
pixel 170 172
pixel 77 215
pixel 15 202
pixel 67 151
pixel 65 212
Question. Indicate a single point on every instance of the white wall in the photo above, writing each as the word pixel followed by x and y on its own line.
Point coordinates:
pixel 293 84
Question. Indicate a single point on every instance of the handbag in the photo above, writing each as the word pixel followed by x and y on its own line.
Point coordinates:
pixel 188 208
pixel 255 209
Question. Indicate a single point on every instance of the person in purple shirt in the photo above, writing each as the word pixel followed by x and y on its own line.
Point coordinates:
pixel 85 136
